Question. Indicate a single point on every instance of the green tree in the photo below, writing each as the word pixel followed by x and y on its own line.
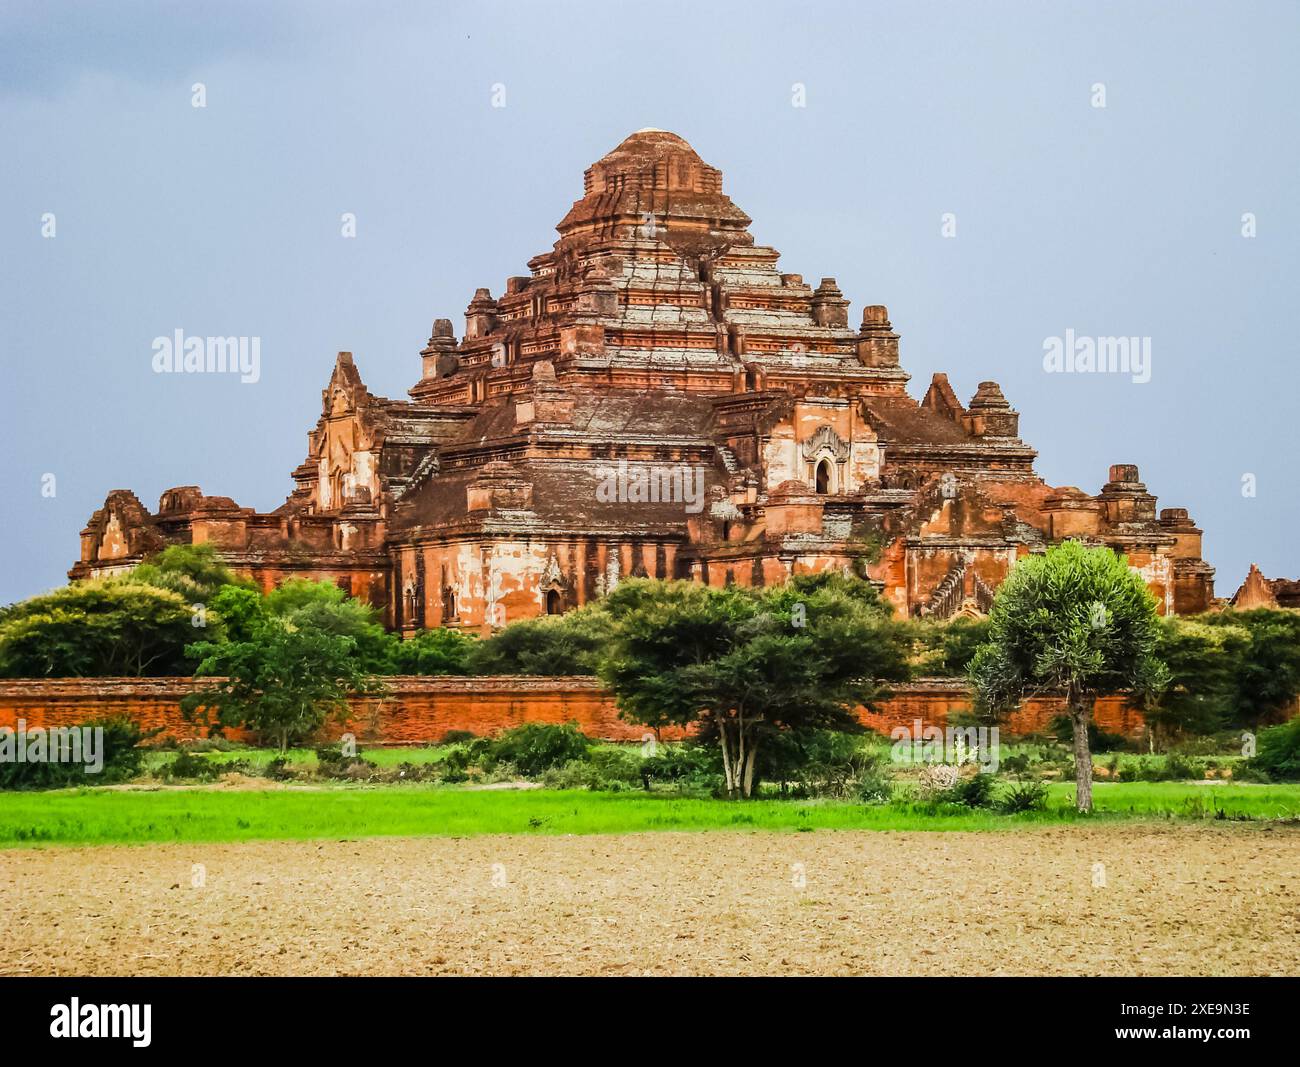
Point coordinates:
pixel 194 571
pixel 243 611
pixel 744 666
pixel 374 647
pixel 948 647
pixel 114 627
pixel 323 607
pixel 1279 751
pixel 440 651
pixel 1077 621
pixel 1268 677
pixel 298 593
pixel 548 645
pixel 283 683
pixel 1204 663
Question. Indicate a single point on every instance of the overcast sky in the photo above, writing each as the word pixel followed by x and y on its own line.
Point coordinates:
pixel 1122 220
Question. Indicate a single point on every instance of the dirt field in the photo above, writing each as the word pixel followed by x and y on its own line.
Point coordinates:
pixel 1215 899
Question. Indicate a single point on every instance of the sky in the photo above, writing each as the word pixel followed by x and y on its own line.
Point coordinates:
pixel 949 160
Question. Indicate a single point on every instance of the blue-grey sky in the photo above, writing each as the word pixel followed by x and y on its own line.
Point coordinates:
pixel 225 220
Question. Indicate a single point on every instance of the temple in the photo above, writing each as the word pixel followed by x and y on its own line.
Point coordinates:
pixel 654 397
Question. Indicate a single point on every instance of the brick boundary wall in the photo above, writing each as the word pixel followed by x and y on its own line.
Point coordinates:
pixel 424 709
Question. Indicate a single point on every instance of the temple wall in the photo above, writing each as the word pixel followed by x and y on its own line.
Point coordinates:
pixel 423 709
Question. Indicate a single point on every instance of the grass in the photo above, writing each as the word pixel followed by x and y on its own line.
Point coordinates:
pixel 108 816
pixel 301 757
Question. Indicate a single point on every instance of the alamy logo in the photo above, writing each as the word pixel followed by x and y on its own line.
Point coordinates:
pixel 102 1020
pixel 179 354
pixel 650 483
pixel 1072 354
pixel 955 745
pixel 58 744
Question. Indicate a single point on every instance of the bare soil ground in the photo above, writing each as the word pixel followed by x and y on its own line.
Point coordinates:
pixel 1176 899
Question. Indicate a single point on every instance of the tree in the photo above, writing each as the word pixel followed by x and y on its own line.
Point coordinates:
pixel 1205 662
pixel 373 646
pixel 112 627
pixel 1268 677
pixel 297 593
pixel 325 608
pixel 949 646
pixel 440 651
pixel 284 682
pixel 548 645
pixel 194 571
pixel 1077 621
pixel 243 610
pixel 743 666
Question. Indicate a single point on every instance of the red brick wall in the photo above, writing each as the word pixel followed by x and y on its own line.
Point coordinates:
pixel 424 709
pixel 932 700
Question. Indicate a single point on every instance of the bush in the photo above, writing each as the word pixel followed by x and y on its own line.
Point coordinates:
pixel 1178 767
pixel 1278 754
pixel 617 767
pixel 688 766
pixel 278 770
pixel 440 651
pixel 333 762
pixel 108 627
pixel 974 792
pixel 576 774
pixel 549 645
pixel 456 737
pixel 186 765
pixel 823 763
pixel 1027 795
pixel 535 747
pixel 120 753
pixel 1170 768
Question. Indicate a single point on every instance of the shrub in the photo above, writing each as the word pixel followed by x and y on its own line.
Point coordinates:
pixel 1025 795
pixel 278 770
pixel 876 784
pixel 576 774
pixel 333 762
pixel 102 628
pixel 824 763
pixel 936 780
pixel 120 753
pixel 536 747
pixel 688 766
pixel 1178 766
pixel 440 651
pixel 1278 754
pixel 617 767
pixel 975 791
pixel 549 645
pixel 456 737
pixel 186 765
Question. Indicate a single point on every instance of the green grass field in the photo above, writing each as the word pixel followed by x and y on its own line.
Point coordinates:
pixel 109 816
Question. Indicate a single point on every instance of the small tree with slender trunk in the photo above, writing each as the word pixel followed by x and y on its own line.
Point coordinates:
pixel 742 665
pixel 284 682
pixel 1075 621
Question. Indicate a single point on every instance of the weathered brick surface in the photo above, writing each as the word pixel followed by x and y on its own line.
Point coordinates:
pixel 420 710
pixel 657 337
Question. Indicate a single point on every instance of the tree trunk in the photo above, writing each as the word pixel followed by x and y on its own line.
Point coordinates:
pixel 1080 715
pixel 750 758
pixel 727 771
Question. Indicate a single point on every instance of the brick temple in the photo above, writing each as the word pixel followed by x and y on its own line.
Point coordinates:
pixel 654 397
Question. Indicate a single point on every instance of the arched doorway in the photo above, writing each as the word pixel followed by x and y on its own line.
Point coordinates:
pixel 553 604
pixel 824 476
